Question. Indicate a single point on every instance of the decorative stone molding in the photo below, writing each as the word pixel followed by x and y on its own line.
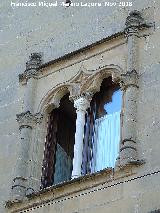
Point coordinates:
pixel 32 67
pixel 21 183
pixel 27 119
pixel 93 83
pixel 129 79
pixel 129 84
pixel 85 81
pixel 133 22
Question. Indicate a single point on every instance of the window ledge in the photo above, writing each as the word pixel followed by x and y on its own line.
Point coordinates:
pixel 70 189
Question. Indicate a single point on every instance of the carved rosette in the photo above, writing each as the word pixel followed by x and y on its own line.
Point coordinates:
pixel 32 67
pixel 28 120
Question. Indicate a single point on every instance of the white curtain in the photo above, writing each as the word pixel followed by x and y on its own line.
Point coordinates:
pixel 107 139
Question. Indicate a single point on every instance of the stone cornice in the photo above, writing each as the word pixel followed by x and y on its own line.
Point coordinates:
pixel 34 67
pixel 27 119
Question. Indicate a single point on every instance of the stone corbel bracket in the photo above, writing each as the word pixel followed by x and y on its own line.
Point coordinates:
pixel 32 67
pixel 27 119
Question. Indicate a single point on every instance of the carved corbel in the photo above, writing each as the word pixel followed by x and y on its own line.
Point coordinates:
pixel 32 67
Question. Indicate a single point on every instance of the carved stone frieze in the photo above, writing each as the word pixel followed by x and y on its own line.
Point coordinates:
pixel 27 119
pixel 32 67
pixel 129 79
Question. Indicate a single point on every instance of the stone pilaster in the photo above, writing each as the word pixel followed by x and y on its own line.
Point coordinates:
pixel 81 103
pixel 27 122
pixel 129 85
pixel 128 147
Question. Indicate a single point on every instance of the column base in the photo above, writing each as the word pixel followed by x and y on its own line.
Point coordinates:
pixel 75 176
pixel 128 155
pixel 18 189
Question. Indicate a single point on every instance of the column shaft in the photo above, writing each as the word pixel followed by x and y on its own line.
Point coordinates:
pixel 21 170
pixel 133 52
pixel 78 147
pixel 82 103
pixel 29 95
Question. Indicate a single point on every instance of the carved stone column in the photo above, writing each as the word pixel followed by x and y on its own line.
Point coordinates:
pixel 129 85
pixel 128 149
pixel 81 103
pixel 20 185
pixel 26 122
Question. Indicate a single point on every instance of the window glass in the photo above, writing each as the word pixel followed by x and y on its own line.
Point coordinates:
pixel 102 128
pixel 116 104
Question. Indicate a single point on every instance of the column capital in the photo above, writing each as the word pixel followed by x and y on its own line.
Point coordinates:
pixel 32 66
pixel 133 22
pixel 129 79
pixel 27 119
pixel 82 102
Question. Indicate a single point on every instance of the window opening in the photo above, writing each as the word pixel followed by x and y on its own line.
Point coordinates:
pixel 102 128
pixel 59 146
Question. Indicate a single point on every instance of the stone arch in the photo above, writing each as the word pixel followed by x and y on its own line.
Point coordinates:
pixel 52 98
pixel 84 81
pixel 93 82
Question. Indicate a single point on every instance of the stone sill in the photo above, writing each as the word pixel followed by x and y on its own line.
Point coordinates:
pixel 70 189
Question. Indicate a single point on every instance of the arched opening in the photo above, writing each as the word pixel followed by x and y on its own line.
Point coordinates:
pixel 102 128
pixel 59 145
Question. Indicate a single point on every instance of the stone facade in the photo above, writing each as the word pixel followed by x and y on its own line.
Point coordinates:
pixel 72 50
